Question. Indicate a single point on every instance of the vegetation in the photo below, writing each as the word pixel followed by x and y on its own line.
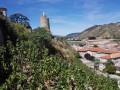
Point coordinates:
pixel 7 31
pixel 20 30
pixel 91 38
pixel 110 68
pixel 89 57
pixel 95 45
pixel 38 62
pixel 19 18
pixel 96 64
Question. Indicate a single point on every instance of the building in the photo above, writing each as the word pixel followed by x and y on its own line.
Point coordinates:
pixel 115 57
pixel 94 51
pixel 3 11
pixel 99 54
pixel 44 22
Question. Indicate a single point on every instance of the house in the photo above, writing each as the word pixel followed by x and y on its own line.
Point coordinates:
pixel 115 57
pixel 95 51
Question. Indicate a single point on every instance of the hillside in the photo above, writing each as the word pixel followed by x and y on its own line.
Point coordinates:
pixel 71 35
pixel 39 62
pixel 111 30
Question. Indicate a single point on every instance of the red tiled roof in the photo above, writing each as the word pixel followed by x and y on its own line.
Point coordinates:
pixel 96 49
pixel 83 49
pixel 111 56
pixel 115 55
pixel 106 57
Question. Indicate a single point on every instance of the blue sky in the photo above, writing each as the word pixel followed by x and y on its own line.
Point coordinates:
pixel 66 16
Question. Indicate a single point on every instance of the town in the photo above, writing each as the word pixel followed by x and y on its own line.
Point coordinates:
pixel 100 51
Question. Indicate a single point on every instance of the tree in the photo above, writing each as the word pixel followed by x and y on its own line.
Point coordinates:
pixel 7 31
pixel 89 57
pixel 110 62
pixel 110 68
pixel 95 46
pixel 20 30
pixel 91 38
pixel 42 38
pixel 19 18
pixel 96 64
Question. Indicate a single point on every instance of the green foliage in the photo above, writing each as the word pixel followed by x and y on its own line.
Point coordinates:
pixel 110 62
pixel 19 18
pixel 118 74
pixel 7 31
pixel 110 68
pixel 20 30
pixel 51 72
pixel 96 64
pixel 40 72
pixel 95 46
pixel 89 57
pixel 27 70
pixel 41 36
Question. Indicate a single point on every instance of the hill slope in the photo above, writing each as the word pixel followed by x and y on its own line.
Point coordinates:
pixel 36 63
pixel 111 30
pixel 72 35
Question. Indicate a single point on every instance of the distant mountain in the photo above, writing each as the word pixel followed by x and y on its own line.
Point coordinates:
pixel 71 35
pixel 111 30
pixel 57 36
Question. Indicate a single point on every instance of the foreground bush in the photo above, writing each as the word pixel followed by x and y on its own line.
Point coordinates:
pixel 31 72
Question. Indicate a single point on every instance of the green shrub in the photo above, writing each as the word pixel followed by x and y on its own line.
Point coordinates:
pixel 20 30
pixel 89 57
pixel 110 69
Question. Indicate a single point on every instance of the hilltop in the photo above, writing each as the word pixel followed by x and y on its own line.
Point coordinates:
pixel 111 30
pixel 71 35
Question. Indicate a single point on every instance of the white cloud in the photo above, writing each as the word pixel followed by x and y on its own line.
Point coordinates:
pixel 94 10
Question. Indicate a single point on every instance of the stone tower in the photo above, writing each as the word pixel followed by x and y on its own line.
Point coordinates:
pixel 3 11
pixel 44 22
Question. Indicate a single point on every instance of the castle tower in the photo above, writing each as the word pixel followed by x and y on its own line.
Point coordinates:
pixel 44 21
pixel 3 11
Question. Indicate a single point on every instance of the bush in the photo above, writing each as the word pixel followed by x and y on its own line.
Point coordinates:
pixel 95 46
pixel 7 31
pixel 110 62
pixel 91 38
pixel 89 57
pixel 110 69
pixel 20 30
pixel 96 64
